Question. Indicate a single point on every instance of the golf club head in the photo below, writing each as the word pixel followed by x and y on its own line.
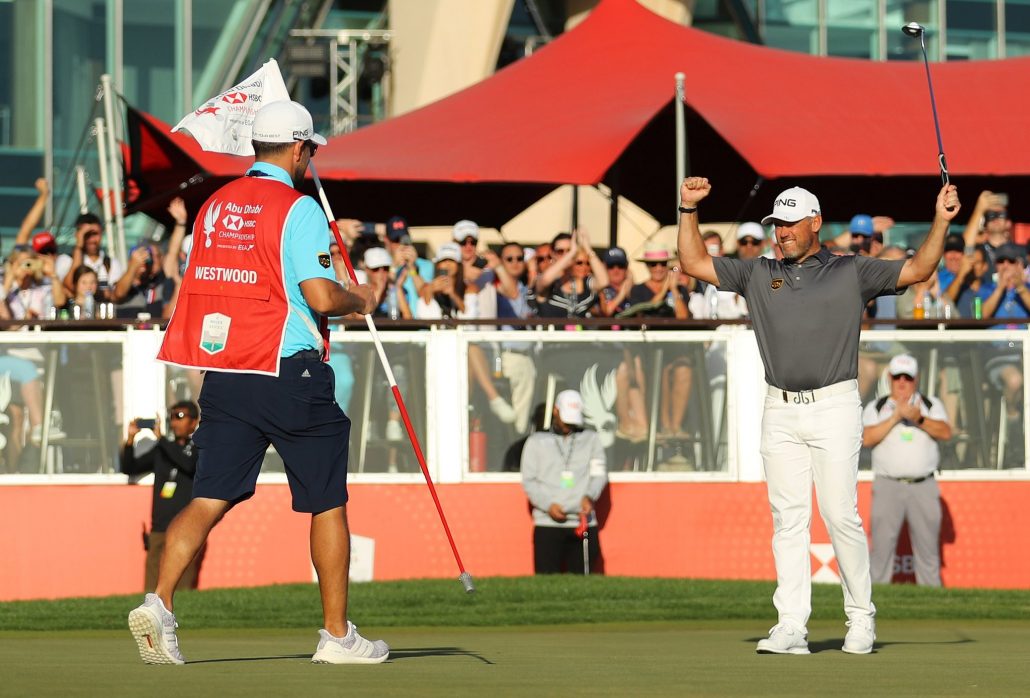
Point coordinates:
pixel 913 29
pixel 466 581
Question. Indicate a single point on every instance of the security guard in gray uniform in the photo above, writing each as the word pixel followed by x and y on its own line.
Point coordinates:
pixel 903 429
pixel 807 312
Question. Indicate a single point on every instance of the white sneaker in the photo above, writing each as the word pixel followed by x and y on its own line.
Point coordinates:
pixel 393 431
pixel 861 634
pixel 350 649
pixel 153 626
pixel 783 639
pixel 503 411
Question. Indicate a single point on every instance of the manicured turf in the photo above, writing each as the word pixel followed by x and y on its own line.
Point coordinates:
pixel 504 601
pixel 559 636
pixel 691 658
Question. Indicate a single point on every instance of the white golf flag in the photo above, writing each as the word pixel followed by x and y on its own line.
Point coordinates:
pixel 224 123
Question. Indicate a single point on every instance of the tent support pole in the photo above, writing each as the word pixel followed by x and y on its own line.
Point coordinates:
pixel 613 208
pixel 575 207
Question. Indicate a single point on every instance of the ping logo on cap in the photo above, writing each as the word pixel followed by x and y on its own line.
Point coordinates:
pixel 786 202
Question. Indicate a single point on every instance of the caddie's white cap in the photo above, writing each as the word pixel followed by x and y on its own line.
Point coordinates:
pixel 903 364
pixel 570 407
pixel 376 258
pixel 465 229
pixel 792 205
pixel 750 230
pixel 285 122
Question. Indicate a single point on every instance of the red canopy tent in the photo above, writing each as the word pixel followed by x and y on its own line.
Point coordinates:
pixel 595 105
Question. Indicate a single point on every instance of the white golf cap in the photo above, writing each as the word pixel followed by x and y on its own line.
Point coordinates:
pixel 903 364
pixel 285 122
pixel 750 230
pixel 792 205
pixel 376 258
pixel 570 407
pixel 448 250
pixel 465 229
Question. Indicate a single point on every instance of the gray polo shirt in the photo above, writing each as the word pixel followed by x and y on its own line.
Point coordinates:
pixel 807 316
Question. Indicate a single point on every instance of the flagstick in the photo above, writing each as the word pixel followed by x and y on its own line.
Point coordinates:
pixel 465 578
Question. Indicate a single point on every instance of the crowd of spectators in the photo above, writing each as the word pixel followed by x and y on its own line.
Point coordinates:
pixel 565 278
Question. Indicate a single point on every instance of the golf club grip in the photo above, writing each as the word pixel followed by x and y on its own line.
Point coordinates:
pixel 945 179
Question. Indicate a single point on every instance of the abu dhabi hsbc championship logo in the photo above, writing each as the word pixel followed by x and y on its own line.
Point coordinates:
pixel 234 97
pixel 232 222
pixel 209 221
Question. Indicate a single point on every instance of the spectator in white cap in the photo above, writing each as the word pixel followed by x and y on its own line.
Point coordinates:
pixel 391 302
pixel 466 235
pixel 750 240
pixel 564 471
pixel 811 423
pixel 903 429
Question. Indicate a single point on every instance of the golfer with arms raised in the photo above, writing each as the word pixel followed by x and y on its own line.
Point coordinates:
pixel 807 310
pixel 251 312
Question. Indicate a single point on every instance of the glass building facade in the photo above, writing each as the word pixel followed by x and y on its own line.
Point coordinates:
pixel 166 55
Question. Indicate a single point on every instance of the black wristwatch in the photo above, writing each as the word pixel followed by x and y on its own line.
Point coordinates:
pixel 687 210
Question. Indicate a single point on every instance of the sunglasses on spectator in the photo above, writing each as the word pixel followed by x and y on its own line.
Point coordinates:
pixel 544 257
pixel 514 259
pixel 582 262
pixel 992 215
pixel 468 242
pixel 1005 260
pixel 903 377
pixel 616 266
pixel 749 242
pixel 180 415
pixel 657 264
pixel 380 269
pixel 561 250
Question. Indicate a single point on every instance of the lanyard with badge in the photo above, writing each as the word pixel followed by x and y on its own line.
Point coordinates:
pixel 168 489
pixel 568 479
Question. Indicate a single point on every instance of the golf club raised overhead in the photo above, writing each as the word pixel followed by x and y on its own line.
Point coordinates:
pixel 913 29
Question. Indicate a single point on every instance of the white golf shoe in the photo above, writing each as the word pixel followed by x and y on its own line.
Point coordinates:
pixel 350 649
pixel 861 634
pixel 783 639
pixel 153 627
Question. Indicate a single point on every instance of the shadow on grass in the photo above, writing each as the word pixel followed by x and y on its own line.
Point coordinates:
pixel 834 645
pixel 435 652
pixel 395 654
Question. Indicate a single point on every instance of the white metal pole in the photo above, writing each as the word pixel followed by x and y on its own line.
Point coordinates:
pixel 80 180
pixel 105 200
pixel 115 170
pixel 681 137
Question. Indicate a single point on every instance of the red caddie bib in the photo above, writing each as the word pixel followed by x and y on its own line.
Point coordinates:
pixel 232 308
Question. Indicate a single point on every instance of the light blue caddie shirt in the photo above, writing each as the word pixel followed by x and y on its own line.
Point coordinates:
pixel 306 236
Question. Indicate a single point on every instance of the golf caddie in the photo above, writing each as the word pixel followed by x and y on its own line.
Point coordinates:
pixel 252 313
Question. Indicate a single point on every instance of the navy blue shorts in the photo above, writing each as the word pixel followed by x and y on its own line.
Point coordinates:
pixel 241 413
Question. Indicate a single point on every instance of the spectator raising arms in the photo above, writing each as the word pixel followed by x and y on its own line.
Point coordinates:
pixel 570 286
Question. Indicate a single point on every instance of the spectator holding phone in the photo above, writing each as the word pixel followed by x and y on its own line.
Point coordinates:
pixel 144 288
pixel 407 268
pixel 173 463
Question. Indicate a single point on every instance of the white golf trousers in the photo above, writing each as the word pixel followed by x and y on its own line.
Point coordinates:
pixel 815 442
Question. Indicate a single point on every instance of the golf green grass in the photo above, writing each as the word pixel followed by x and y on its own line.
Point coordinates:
pixel 560 636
